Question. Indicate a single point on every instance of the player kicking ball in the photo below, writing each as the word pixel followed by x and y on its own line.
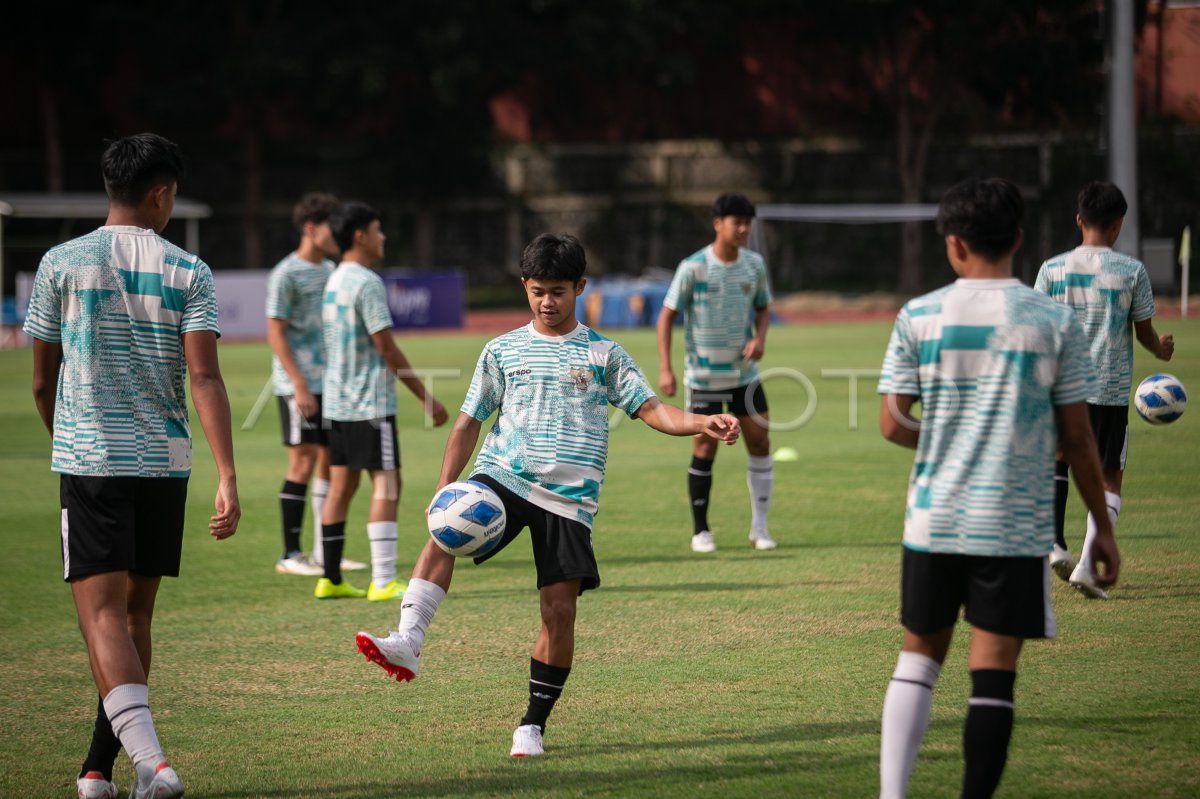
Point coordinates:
pixel 550 384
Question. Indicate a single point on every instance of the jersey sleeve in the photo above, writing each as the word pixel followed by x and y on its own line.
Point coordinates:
pixel 1075 380
pixel 279 294
pixel 200 303
pixel 900 373
pixel 1142 307
pixel 1042 283
pixel 373 308
pixel 679 295
pixel 43 318
pixel 627 387
pixel 487 387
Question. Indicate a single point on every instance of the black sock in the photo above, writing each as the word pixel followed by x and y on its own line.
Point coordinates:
pixel 1062 485
pixel 545 687
pixel 105 746
pixel 291 506
pixel 987 731
pixel 699 487
pixel 333 538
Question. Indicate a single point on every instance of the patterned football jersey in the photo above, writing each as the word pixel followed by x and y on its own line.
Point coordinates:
pixel 295 291
pixel 718 299
pixel 990 360
pixel 549 443
pixel 118 299
pixel 1108 291
pixel 358 386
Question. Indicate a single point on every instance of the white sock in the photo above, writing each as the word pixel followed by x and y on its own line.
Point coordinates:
pixel 759 479
pixel 320 490
pixel 128 709
pixel 420 602
pixel 1113 501
pixel 905 717
pixel 383 552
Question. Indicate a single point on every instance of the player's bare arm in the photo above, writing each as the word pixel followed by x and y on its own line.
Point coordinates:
pixel 753 351
pixel 212 406
pixel 399 366
pixel 47 360
pixel 896 421
pixel 675 422
pixel 1078 445
pixel 277 339
pixel 666 377
pixel 460 445
pixel 1162 347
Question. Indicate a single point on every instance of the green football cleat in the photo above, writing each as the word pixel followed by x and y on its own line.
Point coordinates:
pixel 327 589
pixel 393 590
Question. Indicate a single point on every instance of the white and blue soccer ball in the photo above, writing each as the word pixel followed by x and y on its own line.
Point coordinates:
pixel 1160 399
pixel 466 519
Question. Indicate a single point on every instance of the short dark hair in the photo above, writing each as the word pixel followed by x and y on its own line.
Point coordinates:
pixel 554 256
pixel 315 207
pixel 132 165
pixel 732 205
pixel 348 218
pixel 1101 203
pixel 985 213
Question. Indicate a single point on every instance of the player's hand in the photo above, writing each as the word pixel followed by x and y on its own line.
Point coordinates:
pixel 722 427
pixel 306 403
pixel 666 383
pixel 1104 550
pixel 753 351
pixel 1166 346
pixel 229 511
pixel 437 412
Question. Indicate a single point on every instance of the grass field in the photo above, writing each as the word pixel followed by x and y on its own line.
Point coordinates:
pixel 738 674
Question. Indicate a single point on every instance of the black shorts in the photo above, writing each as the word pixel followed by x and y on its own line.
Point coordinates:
pixel 364 445
pixel 1002 595
pixel 111 524
pixel 298 429
pixel 562 547
pixel 743 401
pixel 1110 424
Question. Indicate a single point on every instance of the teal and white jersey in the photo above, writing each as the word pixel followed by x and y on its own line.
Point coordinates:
pixel 990 360
pixel 1109 291
pixel 118 300
pixel 718 299
pixel 358 386
pixel 549 443
pixel 295 291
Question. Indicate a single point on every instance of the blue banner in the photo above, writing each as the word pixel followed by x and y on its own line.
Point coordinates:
pixel 420 300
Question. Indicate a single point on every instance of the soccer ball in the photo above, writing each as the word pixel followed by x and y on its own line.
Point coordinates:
pixel 1160 399
pixel 466 519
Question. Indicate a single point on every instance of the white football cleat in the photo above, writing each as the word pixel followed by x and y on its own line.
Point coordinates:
pixel 165 785
pixel 348 565
pixel 395 654
pixel 527 741
pixel 703 542
pixel 299 564
pixel 93 786
pixel 1083 582
pixel 761 539
pixel 1062 562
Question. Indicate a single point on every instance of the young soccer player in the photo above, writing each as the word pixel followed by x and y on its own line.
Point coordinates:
pixel 1001 373
pixel 720 288
pixel 360 403
pixel 295 290
pixel 117 316
pixel 1110 292
pixel 551 383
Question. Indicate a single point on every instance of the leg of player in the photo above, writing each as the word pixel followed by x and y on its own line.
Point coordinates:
pixel 704 452
pixel 320 492
pixel 1062 562
pixel 343 482
pixel 992 660
pixel 759 477
pixel 1083 578
pixel 301 459
pixel 381 532
pixel 906 708
pixel 553 653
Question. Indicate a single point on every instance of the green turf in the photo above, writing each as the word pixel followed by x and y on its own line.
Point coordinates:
pixel 738 674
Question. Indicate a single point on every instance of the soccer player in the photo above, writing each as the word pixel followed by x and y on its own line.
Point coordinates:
pixel 1001 373
pixel 720 288
pixel 360 403
pixel 295 290
pixel 117 317
pixel 1110 292
pixel 550 383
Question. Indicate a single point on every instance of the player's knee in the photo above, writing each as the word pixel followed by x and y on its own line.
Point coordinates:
pixel 558 613
pixel 385 486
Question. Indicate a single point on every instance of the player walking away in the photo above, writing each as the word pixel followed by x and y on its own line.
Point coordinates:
pixel 551 383
pixel 720 287
pixel 117 317
pixel 360 403
pixel 1109 292
pixel 295 289
pixel 1001 373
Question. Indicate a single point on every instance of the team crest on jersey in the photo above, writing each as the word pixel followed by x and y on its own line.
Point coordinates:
pixel 746 288
pixel 580 375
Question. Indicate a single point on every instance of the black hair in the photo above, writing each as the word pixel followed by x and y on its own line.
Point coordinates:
pixel 985 213
pixel 315 207
pixel 732 205
pixel 133 165
pixel 348 218
pixel 554 256
pixel 1101 203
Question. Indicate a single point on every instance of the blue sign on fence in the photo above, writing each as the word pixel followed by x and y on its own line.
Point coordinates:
pixel 425 299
